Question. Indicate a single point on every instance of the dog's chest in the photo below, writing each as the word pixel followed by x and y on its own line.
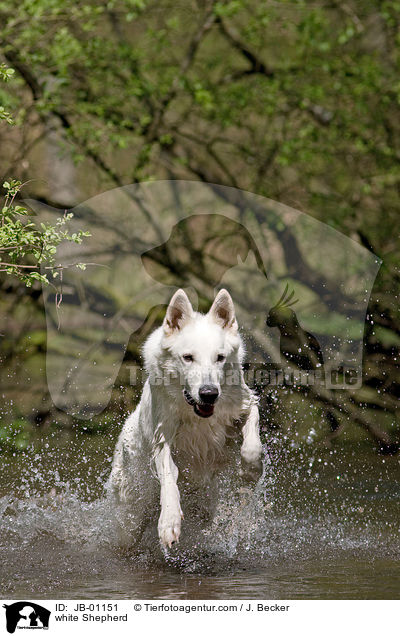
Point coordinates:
pixel 203 443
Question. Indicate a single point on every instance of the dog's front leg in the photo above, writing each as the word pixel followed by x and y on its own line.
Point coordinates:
pixel 251 450
pixel 169 523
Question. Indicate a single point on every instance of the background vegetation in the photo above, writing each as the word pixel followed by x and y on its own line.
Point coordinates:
pixel 294 100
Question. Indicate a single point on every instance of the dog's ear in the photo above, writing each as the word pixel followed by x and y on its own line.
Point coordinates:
pixel 179 311
pixel 222 310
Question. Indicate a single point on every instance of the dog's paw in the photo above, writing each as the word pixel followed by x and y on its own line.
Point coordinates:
pixel 251 472
pixel 169 528
pixel 251 464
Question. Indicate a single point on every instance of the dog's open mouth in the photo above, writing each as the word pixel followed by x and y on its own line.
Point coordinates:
pixel 200 408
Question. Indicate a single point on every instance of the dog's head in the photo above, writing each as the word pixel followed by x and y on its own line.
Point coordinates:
pixel 201 348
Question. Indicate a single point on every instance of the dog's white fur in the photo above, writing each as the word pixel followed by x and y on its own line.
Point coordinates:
pixel 164 431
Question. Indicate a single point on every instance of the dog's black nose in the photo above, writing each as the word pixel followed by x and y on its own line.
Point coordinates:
pixel 208 393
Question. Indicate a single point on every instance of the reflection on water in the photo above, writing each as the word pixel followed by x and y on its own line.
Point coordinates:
pixel 322 524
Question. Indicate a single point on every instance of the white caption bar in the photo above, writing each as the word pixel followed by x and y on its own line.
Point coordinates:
pixel 176 617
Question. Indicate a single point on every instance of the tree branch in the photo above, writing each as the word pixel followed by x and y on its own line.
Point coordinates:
pixel 257 65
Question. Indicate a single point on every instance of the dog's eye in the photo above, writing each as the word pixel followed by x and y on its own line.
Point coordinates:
pixel 220 357
pixel 188 357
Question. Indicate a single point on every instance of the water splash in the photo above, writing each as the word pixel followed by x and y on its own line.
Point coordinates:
pixel 58 533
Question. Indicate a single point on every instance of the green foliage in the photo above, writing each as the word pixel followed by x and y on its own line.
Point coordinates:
pixel 298 101
pixel 15 435
pixel 25 247
pixel 6 115
pixel 6 73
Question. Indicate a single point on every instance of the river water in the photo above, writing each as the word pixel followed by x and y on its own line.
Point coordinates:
pixel 321 524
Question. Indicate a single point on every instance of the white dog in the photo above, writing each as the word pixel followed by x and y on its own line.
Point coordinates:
pixel 193 399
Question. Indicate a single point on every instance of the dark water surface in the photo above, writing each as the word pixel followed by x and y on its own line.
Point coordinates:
pixel 322 524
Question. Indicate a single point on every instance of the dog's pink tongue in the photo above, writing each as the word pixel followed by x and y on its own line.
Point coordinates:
pixel 205 410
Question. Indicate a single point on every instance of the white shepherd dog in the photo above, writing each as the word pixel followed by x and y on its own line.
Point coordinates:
pixel 194 398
